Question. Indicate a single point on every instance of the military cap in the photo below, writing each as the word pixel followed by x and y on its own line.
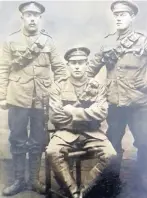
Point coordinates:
pixel 78 53
pixel 124 5
pixel 31 6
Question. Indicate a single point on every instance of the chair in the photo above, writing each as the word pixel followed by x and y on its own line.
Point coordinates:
pixel 78 156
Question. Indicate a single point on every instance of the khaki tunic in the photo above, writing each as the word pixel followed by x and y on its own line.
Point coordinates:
pixel 89 114
pixel 125 58
pixel 19 85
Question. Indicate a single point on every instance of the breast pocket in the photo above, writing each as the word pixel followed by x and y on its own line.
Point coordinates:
pixel 18 50
pixel 44 57
pixel 20 79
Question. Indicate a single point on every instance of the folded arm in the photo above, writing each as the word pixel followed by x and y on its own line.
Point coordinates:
pixel 97 111
pixel 57 114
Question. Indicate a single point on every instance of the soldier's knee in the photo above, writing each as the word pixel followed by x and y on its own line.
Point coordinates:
pixel 55 152
pixel 52 151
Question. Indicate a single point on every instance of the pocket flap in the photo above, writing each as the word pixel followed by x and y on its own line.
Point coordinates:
pixel 19 48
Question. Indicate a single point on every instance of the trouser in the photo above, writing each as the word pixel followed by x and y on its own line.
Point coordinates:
pixel 58 144
pixel 21 142
pixel 136 118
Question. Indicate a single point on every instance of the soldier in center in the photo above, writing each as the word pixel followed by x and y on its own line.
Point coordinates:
pixel 79 113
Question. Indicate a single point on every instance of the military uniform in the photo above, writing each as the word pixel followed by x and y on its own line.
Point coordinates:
pixel 125 58
pixel 85 128
pixel 25 75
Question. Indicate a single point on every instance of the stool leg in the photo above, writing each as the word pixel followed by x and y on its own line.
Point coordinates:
pixel 78 173
pixel 48 176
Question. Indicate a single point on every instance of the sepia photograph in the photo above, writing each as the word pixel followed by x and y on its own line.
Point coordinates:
pixel 73 99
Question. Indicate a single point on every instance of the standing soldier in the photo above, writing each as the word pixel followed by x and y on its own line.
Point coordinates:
pixel 79 109
pixel 28 57
pixel 125 57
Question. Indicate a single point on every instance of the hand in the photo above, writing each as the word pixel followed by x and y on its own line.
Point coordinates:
pixel 94 83
pixel 61 118
pixel 58 115
pixel 92 88
pixel 3 104
pixel 141 84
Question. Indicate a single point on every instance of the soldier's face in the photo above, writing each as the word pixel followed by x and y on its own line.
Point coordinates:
pixel 77 68
pixel 31 21
pixel 123 20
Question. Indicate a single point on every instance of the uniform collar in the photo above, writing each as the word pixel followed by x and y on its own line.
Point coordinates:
pixel 124 34
pixel 29 35
pixel 79 83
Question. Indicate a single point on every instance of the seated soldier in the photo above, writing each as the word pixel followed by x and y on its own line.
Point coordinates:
pixel 79 113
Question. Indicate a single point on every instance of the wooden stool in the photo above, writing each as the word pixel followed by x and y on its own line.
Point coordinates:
pixel 78 156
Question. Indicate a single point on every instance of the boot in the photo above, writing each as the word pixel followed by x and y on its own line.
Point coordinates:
pixel 19 172
pixel 112 181
pixel 90 182
pixel 34 169
pixel 62 172
pixel 102 178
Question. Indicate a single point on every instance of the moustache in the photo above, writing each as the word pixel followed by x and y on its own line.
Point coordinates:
pixel 32 24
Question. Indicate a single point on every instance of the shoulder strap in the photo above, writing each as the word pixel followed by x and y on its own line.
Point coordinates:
pixel 15 32
pixel 130 40
pixel 45 33
pixel 111 34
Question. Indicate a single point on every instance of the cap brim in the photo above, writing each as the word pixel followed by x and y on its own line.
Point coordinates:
pixel 66 56
pixel 77 58
pixel 41 7
pixel 130 4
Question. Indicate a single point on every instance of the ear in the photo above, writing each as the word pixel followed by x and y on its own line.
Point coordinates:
pixel 21 16
pixel 87 63
pixel 133 16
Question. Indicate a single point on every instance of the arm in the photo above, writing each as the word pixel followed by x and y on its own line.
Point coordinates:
pixel 141 75
pixel 57 65
pixel 58 115
pixel 96 64
pixel 5 63
pixel 97 111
